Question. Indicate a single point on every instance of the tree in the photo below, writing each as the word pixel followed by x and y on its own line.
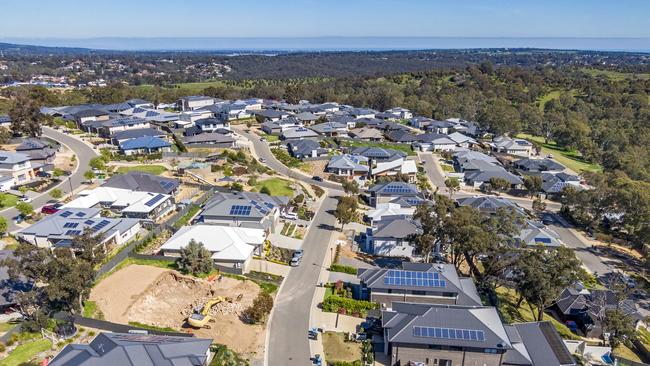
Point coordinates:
pixel 539 205
pixel 499 184
pixel 25 114
pixel 5 135
pixel 265 190
pixel 501 117
pixel 543 274
pixel 97 163
pixel 533 184
pixel 260 309
pixel 57 172
pixel 56 193
pixel 346 210
pixel 432 220
pixel 89 175
pixel 453 185
pixel 350 187
pixel 23 190
pixel 195 258
pixel 3 226
pixel 619 326
pixel 25 209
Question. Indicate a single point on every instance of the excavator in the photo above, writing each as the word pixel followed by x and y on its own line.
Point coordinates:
pixel 201 316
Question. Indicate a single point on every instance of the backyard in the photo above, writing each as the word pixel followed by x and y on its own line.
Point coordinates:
pixel 151 169
pixel 26 352
pixel 337 349
pixel 570 159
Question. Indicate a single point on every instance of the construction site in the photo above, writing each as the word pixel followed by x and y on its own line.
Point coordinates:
pixel 209 308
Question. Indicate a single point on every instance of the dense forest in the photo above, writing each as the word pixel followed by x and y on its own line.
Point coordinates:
pixel 603 116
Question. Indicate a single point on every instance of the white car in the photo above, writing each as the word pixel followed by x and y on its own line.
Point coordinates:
pixel 25 199
pixel 262 160
pixel 289 215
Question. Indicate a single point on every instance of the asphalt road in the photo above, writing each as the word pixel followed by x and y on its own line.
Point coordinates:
pixel 83 153
pixel 288 342
pixel 263 151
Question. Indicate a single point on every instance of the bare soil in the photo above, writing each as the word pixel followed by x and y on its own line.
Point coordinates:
pixel 166 298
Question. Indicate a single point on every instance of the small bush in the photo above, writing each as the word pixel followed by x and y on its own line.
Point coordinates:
pixel 343 269
pixel 261 307
pixel 335 304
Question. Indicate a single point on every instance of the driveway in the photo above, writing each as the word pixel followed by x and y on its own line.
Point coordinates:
pixel 288 342
pixel 83 153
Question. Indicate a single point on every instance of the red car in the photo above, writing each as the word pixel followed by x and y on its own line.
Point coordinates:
pixel 50 209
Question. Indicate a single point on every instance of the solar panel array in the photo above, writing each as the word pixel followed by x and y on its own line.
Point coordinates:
pixel 397 188
pixel 154 200
pixel 80 214
pixel 167 185
pixel 240 210
pixel 414 278
pixel 449 333
pixel 263 208
pixel 73 232
pixel 65 214
pixel 70 225
pixel 102 224
pixel 89 222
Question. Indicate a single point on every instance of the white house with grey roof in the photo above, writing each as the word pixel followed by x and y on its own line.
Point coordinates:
pixel 195 102
pixel 348 165
pixel 425 283
pixel 516 146
pixel 302 149
pixel 243 209
pixel 59 229
pixel 143 182
pixel 17 166
pixel 391 191
pixel 129 349
pixel 129 203
pixel 298 133
pixel 392 237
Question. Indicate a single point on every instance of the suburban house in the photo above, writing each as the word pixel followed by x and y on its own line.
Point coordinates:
pixel 297 133
pixel 58 230
pixel 17 166
pixel 143 182
pixel 331 129
pixel 391 168
pixel 306 149
pixel 587 307
pixel 212 124
pixel 366 134
pixel 276 127
pixel 507 145
pixel 307 118
pixel 214 139
pixel 379 154
pixel 481 172
pixel 108 128
pixel 345 119
pixel 534 234
pixel 553 184
pixel 391 237
pixel 188 118
pixel 145 145
pixel 426 283
pixel 122 136
pixel 434 142
pixel 388 209
pixel 6 183
pixel 439 127
pixel 132 204
pixel 470 160
pixel 39 151
pixel 361 113
pixel 420 122
pixel 152 115
pixel 129 349
pixel 461 140
pixel 348 165
pixel 83 116
pixel 490 204
pixel 243 209
pixel 402 136
pixel 387 116
pixel 401 113
pixel 271 115
pixel 391 191
pixel 194 102
pixel 529 165
pixel 231 247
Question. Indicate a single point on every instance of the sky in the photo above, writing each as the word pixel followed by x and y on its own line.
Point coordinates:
pixel 44 21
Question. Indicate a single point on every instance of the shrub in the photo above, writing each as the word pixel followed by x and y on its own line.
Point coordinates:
pixel 334 304
pixel 261 307
pixel 343 269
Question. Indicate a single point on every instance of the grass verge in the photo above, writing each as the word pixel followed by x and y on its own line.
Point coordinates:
pixel 337 349
pixel 152 327
pixel 26 352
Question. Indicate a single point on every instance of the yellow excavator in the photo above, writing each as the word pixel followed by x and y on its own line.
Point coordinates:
pixel 201 316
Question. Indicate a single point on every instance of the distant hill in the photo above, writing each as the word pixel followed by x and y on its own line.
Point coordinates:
pixel 23 49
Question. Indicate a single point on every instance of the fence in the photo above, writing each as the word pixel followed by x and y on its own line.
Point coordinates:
pixel 114 327
pixel 221 268
pixel 620 361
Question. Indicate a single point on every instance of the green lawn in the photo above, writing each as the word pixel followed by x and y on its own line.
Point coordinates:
pixel 8 200
pixel 277 186
pixel 386 145
pixel 555 94
pixel 26 352
pixel 271 138
pixel 91 310
pixel 447 168
pixel 337 349
pixel 6 326
pixel 570 159
pixel 152 327
pixel 151 169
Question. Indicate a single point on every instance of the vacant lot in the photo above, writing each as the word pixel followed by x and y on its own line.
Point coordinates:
pixel 151 169
pixel 336 349
pixel 277 187
pixel 570 159
pixel 164 299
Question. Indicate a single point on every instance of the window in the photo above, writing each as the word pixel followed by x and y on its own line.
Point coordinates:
pixel 490 350
pixel 444 362
pixel 416 292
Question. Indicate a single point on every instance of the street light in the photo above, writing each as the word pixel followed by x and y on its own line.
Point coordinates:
pixel 331 256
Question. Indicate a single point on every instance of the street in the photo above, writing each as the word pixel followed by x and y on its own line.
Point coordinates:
pixel 83 153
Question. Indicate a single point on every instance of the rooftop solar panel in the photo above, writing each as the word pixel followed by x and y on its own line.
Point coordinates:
pixel 73 232
pixel 70 225
pixel 240 210
pixel 449 333
pixel 154 200
pixel 101 225
pixel 65 214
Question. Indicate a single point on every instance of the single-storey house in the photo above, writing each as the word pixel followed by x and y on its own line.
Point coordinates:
pixel 348 165
pixel 122 136
pixel 132 204
pixel 331 129
pixel 143 182
pixel 215 139
pixel 297 133
pixel 366 134
pixel 434 142
pixel 387 192
pixel 243 209
pixel 301 149
pixel 145 145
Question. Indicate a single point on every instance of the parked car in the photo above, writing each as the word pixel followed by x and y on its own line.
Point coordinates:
pixel 317 178
pixel 25 199
pixel 51 209
pixel 298 253
pixel 289 215
pixel 43 174
pixel 295 261
pixel 262 160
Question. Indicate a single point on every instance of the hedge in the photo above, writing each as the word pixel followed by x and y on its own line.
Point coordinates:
pixel 343 269
pixel 338 304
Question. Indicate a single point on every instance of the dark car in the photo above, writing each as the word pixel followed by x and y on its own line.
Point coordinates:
pixel 317 178
pixel 51 209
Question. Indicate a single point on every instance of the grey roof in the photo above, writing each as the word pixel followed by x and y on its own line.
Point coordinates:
pixel 435 138
pixel 125 349
pixel 270 113
pixel 554 183
pixel 402 136
pixel 378 153
pixel 142 182
pixel 305 147
pixel 534 234
pixel 7 157
pixel 399 323
pixel 221 204
pixel 353 162
pixel 329 127
pixel 394 189
pixel 298 132
pixel 8 287
pixel 496 172
pixel 197 98
pixel 466 156
pixel 594 303
pixel 140 132
pixel 537 344
pixel 32 144
pixel 489 204
pixel 211 137
pixel 401 228
pixel 538 165
pixel 306 116
pixel 123 121
pixel 209 121
pixel 373 278
pixel 89 112
pixel 366 133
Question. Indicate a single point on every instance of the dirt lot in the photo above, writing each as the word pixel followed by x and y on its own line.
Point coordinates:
pixel 164 298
